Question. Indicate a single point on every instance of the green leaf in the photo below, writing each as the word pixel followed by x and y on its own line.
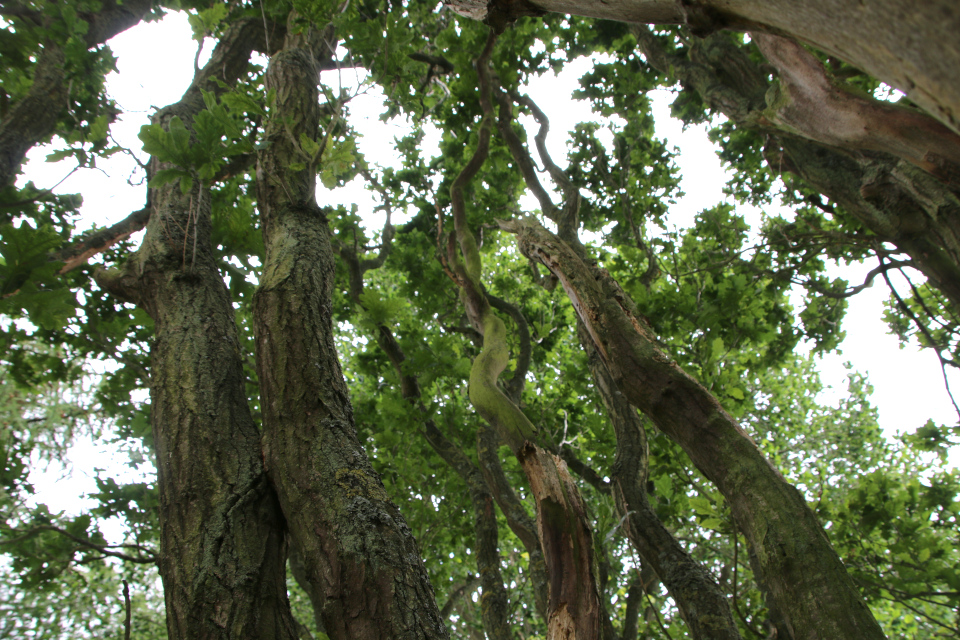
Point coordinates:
pixel 165 176
pixel 310 147
pixel 98 128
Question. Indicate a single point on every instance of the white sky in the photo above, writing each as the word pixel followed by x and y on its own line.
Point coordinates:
pixel 156 64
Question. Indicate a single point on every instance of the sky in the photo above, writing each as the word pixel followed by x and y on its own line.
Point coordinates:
pixel 908 384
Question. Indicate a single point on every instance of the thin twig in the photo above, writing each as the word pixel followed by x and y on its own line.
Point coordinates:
pixel 43 192
pixel 129 610
pixel 105 549
pixel 933 344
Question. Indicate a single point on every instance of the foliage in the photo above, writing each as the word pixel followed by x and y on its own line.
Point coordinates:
pixel 719 295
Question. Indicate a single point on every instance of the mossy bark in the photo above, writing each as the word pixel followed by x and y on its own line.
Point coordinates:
pixel 808 582
pixel 910 45
pixel 893 169
pixel 222 552
pixel 356 547
pixel 702 605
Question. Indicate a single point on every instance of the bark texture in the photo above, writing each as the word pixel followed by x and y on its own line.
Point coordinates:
pixel 889 167
pixel 222 534
pixel 703 606
pixel 808 582
pixel 356 546
pixel 910 45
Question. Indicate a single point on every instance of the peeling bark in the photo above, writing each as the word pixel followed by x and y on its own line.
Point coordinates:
pixel 809 105
pixel 221 531
pixel 357 548
pixel 807 579
pixel 912 46
pixel 900 201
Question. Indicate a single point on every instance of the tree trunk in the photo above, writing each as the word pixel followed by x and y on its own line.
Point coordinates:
pixel 221 531
pixel 808 582
pixel 912 46
pixel 356 546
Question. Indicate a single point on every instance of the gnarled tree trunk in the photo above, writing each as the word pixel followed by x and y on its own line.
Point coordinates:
pixel 222 552
pixel 356 547
pixel 809 583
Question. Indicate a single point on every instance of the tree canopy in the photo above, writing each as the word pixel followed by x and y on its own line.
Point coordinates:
pixel 534 408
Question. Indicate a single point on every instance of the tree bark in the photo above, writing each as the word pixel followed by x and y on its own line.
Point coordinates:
pixel 703 606
pixel 222 553
pixel 808 581
pixel 910 45
pixel 907 201
pixel 356 546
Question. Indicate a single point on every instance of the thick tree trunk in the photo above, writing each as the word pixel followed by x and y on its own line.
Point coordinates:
pixel 808 582
pixel 356 546
pixel 221 531
pixel 910 45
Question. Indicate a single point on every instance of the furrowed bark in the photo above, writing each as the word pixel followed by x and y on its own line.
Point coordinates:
pixel 222 552
pixel 808 582
pixel 357 548
pixel 909 45
pixel 899 200
pixel 702 605
pixel 573 607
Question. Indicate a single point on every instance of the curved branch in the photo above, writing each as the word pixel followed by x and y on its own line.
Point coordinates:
pixel 514 386
pixel 868 281
pixel 522 157
pixel 105 549
pixel 78 253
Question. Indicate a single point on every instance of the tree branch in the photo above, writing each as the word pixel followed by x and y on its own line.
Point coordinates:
pixel 99 241
pixel 105 549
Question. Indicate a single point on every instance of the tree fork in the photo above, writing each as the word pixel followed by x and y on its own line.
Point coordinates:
pixel 222 552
